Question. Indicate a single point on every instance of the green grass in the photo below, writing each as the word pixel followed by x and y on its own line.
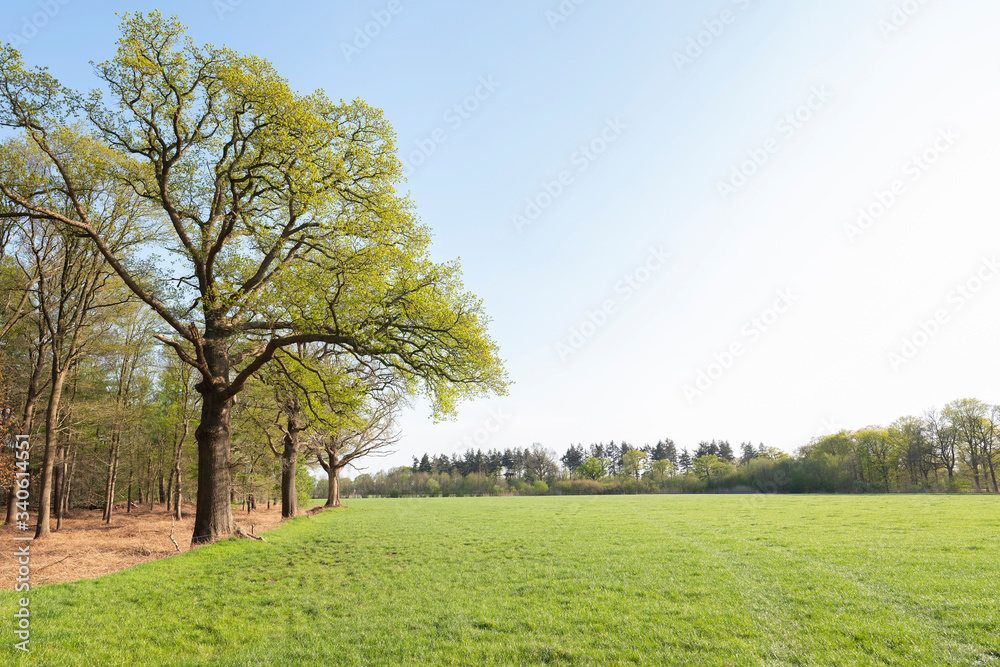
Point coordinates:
pixel 668 580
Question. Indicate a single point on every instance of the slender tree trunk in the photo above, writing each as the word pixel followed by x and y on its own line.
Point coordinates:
pixel 170 490
pixel 109 489
pixel 71 471
pixel 94 472
pixel 213 513
pixel 48 461
pixel 989 474
pixel 993 475
pixel 177 491
pixel 58 483
pixel 128 498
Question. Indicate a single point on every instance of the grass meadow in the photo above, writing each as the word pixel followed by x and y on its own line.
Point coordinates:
pixel 570 580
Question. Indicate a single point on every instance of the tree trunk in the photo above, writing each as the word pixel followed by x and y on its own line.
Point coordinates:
pixel 177 491
pixel 170 491
pixel 336 489
pixel 128 499
pixel 213 518
pixel 332 481
pixel 48 461
pixel 989 473
pixel 70 470
pixel 289 462
pixel 11 507
pixel 32 395
pixel 58 483
pixel 109 489
pixel 332 485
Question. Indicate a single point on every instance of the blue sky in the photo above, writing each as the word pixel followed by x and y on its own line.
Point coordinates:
pixel 741 220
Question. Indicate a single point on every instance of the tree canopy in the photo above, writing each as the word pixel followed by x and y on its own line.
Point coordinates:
pixel 277 212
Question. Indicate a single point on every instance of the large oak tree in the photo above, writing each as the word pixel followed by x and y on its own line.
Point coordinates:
pixel 284 224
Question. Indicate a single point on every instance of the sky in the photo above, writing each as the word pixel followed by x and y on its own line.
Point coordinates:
pixel 730 219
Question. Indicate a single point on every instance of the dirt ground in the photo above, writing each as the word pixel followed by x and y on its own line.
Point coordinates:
pixel 85 548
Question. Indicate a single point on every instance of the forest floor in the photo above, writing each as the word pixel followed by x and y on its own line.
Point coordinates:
pixel 85 547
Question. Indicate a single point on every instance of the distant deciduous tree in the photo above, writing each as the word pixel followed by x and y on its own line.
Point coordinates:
pixel 593 468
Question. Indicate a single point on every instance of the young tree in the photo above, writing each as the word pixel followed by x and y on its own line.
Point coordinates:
pixel 177 396
pixel 660 471
pixel 371 431
pixel 709 468
pixel 634 463
pixel 593 468
pixel 280 210
pixel 130 356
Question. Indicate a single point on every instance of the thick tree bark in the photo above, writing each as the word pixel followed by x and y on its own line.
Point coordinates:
pixel 332 468
pixel 213 517
pixel 333 489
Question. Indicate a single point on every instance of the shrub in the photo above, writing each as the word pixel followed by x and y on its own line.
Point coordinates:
pixel 588 487
pixel 540 487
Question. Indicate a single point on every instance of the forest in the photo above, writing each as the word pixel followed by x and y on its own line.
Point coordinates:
pixel 952 450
